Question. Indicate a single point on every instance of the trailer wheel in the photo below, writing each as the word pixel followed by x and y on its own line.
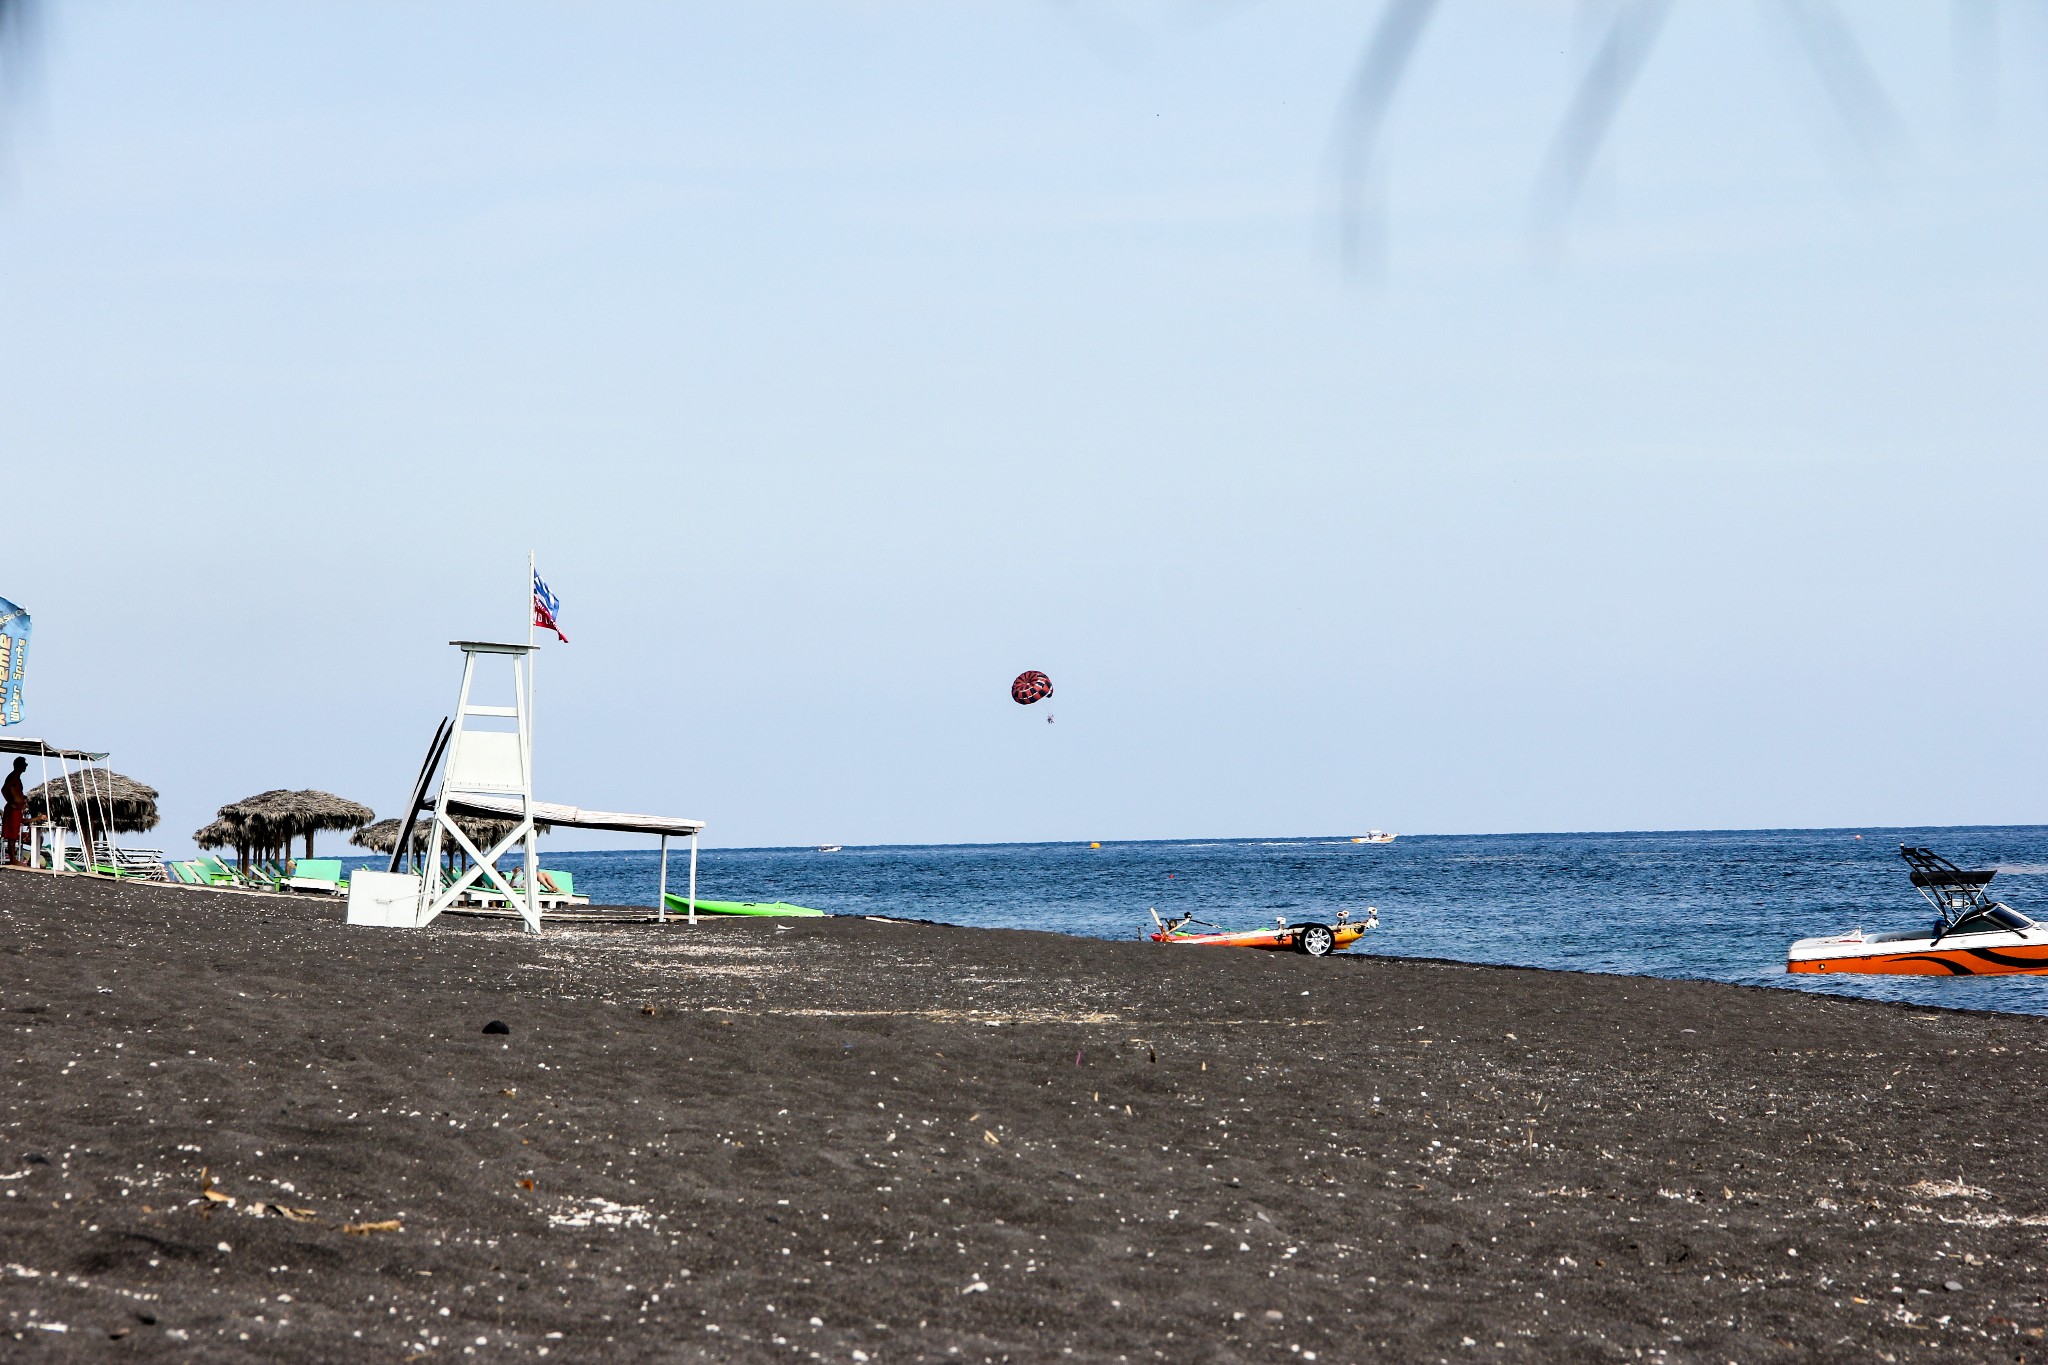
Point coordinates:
pixel 1315 939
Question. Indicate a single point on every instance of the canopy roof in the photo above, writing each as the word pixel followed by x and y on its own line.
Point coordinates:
pixel 273 819
pixel 574 817
pixel 285 813
pixel 1954 877
pixel 36 748
pixel 382 837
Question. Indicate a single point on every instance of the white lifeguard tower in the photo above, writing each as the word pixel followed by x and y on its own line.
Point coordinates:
pixel 489 776
pixel 490 754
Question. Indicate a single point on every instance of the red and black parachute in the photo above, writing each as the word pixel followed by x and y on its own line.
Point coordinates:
pixel 1030 686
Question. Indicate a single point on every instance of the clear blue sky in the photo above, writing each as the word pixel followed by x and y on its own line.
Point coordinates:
pixel 841 363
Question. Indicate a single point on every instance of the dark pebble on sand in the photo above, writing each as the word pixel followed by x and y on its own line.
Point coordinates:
pixel 497 1026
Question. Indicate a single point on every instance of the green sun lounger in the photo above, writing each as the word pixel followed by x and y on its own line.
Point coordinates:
pixel 314 874
pixel 214 872
pixel 681 905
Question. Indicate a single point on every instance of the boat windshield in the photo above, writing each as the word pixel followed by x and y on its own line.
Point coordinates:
pixel 1996 918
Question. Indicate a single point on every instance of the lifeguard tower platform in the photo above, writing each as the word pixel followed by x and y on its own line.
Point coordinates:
pixel 489 775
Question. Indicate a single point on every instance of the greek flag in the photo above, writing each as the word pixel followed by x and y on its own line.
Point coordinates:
pixel 546 607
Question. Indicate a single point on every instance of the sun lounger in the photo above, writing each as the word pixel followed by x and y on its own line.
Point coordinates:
pixel 557 889
pixel 315 874
pixel 134 864
pixel 213 872
pixel 561 885
pixel 266 875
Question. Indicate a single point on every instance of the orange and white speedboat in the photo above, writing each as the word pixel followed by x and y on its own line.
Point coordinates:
pixel 1975 936
pixel 1317 940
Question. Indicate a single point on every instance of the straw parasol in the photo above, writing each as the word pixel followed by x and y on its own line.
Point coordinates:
pixel 382 836
pixel 102 793
pixel 268 821
pixel 235 829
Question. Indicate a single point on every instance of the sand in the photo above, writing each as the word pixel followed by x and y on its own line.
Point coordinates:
pixel 233 1128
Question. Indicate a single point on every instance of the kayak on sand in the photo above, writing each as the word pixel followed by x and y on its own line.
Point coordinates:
pixel 681 905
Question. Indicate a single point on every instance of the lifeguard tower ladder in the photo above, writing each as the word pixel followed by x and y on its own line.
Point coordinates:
pixel 491 761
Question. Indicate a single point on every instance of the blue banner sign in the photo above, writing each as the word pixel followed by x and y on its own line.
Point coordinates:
pixel 13 660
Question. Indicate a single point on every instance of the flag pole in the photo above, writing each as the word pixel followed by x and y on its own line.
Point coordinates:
pixel 532 861
pixel 532 572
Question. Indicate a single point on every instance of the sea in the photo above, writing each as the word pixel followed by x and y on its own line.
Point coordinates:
pixel 1714 905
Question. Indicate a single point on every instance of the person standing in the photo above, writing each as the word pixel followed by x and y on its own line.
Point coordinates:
pixel 16 807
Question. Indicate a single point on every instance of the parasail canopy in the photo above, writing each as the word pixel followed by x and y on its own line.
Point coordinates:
pixel 1030 686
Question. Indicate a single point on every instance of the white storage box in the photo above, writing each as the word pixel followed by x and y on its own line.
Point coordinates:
pixel 389 900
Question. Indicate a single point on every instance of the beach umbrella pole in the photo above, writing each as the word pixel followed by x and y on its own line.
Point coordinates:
pixel 693 876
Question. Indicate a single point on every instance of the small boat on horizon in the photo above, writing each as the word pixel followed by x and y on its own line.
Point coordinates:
pixel 1974 936
pixel 828 848
pixel 1374 836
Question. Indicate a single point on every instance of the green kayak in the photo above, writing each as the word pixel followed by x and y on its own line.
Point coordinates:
pixel 681 905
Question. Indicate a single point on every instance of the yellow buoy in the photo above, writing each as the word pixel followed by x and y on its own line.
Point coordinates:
pixel 1096 844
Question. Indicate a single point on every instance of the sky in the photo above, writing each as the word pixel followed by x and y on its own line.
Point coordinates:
pixel 839 363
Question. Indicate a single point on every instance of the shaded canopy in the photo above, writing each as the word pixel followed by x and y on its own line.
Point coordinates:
pixel 382 836
pixel 272 819
pixel 96 789
pixel 277 817
pixel 217 834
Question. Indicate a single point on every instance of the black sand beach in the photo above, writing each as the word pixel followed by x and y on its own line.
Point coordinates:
pixel 233 1128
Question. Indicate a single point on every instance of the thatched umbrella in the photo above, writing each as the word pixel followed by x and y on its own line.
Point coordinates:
pixel 218 834
pixel 383 836
pixel 268 821
pixel 251 827
pixel 247 838
pixel 380 837
pixel 325 810
pixel 101 794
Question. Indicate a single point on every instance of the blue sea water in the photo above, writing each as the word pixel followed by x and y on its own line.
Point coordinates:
pixel 1714 905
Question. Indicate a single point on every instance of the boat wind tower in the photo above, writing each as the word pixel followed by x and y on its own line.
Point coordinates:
pixel 490 755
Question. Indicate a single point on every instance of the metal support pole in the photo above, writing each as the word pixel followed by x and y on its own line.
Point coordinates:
pixel 522 684
pixel 661 896
pixel 693 876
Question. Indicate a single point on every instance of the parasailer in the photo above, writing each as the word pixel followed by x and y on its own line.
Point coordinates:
pixel 1030 686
